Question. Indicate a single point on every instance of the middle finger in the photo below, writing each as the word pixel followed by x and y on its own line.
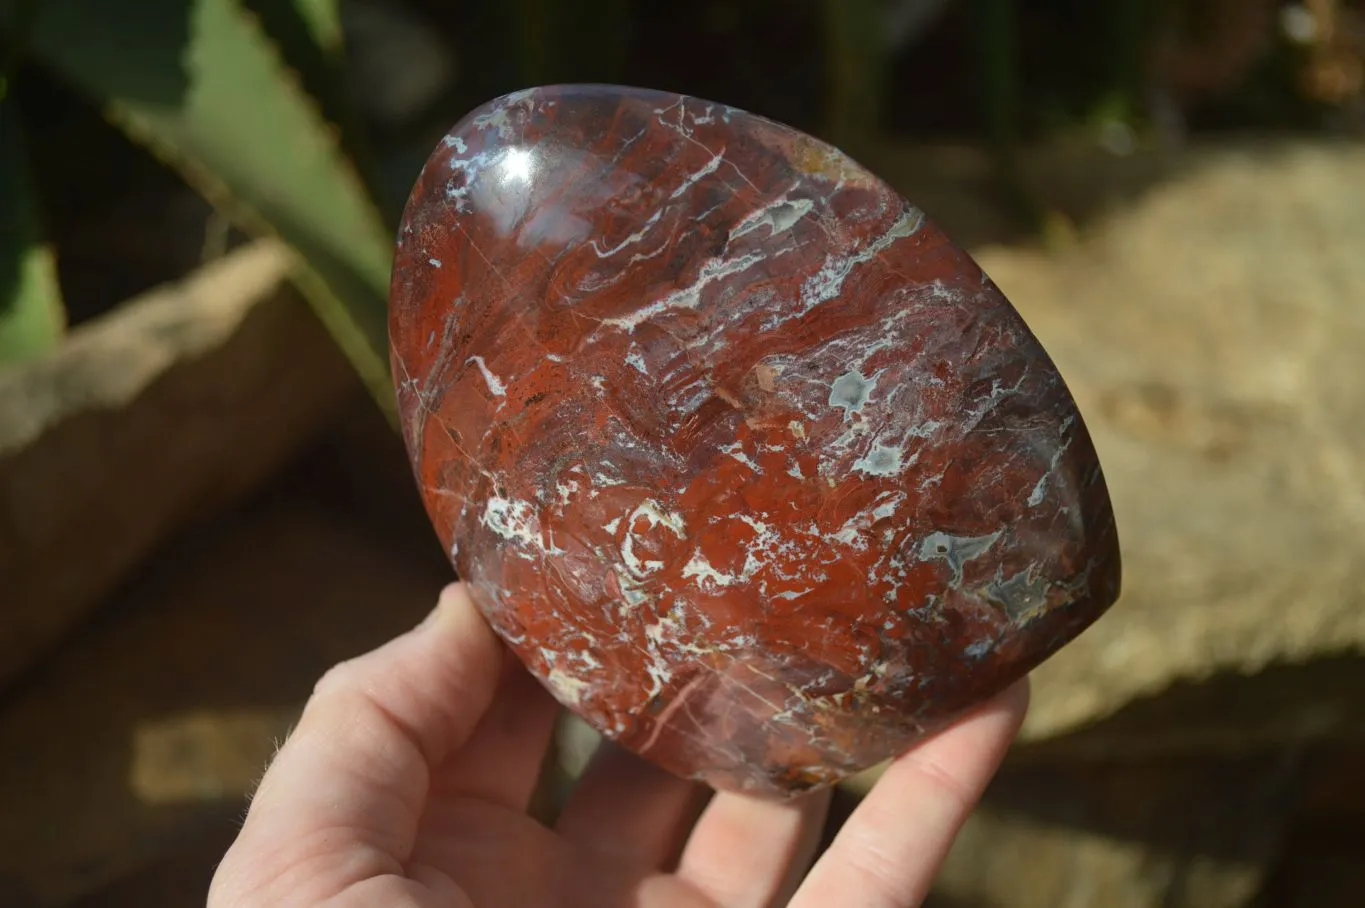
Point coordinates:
pixel 627 808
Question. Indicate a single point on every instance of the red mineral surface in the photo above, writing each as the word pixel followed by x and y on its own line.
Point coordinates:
pixel 753 468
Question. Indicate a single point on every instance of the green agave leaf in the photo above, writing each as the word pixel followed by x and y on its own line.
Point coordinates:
pixel 32 318
pixel 323 18
pixel 201 84
pixel 311 42
pixel 309 39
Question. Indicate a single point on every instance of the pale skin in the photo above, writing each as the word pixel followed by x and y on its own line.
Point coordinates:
pixel 407 780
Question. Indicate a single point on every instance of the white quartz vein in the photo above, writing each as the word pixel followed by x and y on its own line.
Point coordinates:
pixel 688 297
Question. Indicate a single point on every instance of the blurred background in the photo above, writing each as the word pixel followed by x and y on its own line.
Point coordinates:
pixel 203 503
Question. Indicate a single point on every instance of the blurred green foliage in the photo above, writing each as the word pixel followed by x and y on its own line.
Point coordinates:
pixel 202 85
pixel 32 318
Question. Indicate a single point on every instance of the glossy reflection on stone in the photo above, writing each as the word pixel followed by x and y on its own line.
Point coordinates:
pixel 753 468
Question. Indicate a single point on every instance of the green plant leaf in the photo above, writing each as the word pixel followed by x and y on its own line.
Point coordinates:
pixel 312 43
pixel 32 318
pixel 201 84
pixel 323 18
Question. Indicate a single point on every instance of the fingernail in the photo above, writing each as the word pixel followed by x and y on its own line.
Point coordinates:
pixel 441 603
pixel 429 620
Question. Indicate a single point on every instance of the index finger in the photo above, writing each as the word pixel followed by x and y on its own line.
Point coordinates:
pixel 889 851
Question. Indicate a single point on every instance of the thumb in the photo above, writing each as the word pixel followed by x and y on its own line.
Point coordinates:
pixel 342 800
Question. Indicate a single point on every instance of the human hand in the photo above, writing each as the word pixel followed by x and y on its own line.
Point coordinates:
pixel 407 780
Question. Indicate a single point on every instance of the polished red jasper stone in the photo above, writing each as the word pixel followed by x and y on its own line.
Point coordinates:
pixel 753 468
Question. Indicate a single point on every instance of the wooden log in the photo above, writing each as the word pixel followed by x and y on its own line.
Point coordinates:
pixel 171 407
